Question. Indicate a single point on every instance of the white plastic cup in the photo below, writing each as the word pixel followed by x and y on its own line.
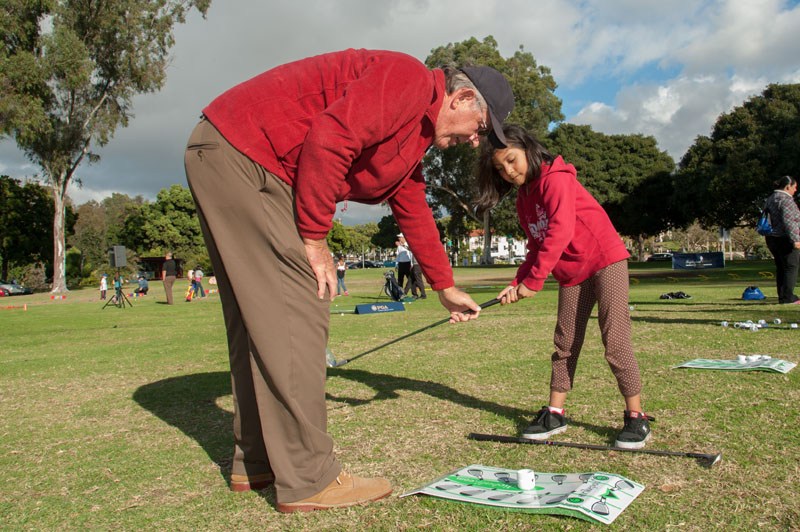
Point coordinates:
pixel 724 324
pixel 793 326
pixel 762 322
pixel 752 358
pixel 777 321
pixel 753 327
pixel 741 358
pixel 526 479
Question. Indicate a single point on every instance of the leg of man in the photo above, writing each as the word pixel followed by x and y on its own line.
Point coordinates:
pixel 777 246
pixel 169 280
pixel 419 281
pixel 250 461
pixel 249 216
pixel 575 304
pixel 403 270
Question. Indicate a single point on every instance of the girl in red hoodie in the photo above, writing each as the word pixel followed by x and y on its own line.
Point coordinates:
pixel 571 237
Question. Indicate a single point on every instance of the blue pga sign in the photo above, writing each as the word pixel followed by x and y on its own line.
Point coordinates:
pixel 373 308
pixel 698 261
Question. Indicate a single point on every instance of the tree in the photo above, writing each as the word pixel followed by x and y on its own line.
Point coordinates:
pixel 337 238
pixel 627 174
pixel 449 173
pixel 723 179
pixel 68 75
pixel 90 235
pixel 359 237
pixel 168 224
pixel 386 236
pixel 25 224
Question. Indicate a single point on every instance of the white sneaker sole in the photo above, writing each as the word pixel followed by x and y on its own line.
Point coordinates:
pixel 632 444
pixel 545 435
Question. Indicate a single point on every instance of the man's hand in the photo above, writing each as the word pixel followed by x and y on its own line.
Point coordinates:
pixel 457 302
pixel 319 257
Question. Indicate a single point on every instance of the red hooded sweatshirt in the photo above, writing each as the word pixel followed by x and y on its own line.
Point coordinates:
pixel 569 233
pixel 351 125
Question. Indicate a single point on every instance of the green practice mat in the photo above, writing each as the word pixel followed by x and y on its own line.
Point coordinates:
pixel 597 497
pixel 773 364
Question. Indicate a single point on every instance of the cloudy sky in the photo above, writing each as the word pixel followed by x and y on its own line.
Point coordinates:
pixel 661 68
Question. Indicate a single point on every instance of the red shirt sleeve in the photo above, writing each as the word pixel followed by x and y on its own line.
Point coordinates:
pixel 415 219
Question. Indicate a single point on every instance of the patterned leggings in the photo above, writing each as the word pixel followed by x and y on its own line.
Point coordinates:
pixel 609 288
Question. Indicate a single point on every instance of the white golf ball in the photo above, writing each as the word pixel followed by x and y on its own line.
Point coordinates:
pixel 342 313
pixel 741 358
pixel 793 326
pixel 753 327
pixel 630 308
pixel 724 323
pixel 765 357
pixel 752 358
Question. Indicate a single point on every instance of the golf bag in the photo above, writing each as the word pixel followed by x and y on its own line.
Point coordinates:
pixel 753 293
pixel 391 287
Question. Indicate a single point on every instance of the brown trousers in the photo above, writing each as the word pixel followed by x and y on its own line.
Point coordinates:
pixel 277 327
pixel 609 289
pixel 169 280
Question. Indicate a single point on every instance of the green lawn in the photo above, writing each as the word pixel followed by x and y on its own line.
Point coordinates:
pixel 120 419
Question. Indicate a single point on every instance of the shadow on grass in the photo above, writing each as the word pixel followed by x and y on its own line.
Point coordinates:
pixel 189 403
pixel 386 388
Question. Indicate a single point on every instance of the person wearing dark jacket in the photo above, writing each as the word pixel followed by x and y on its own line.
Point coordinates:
pixel 266 165
pixel 784 242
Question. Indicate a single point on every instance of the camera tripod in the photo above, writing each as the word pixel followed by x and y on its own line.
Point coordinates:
pixel 119 299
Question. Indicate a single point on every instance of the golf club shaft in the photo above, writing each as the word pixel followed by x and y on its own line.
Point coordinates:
pixel 445 320
pixel 512 439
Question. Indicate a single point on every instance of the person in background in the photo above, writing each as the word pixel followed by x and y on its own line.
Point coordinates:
pixel 198 282
pixel 784 242
pixel 569 235
pixel 403 259
pixel 143 286
pixel 103 286
pixel 416 285
pixel 266 165
pixel 168 274
pixel 341 267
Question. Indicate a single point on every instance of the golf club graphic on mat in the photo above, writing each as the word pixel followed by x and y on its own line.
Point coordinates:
pixel 330 360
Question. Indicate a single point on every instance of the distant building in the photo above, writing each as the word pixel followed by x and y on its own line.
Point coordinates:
pixel 501 247
pixel 150 267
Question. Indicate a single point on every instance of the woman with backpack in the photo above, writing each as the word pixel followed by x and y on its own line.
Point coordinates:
pixel 784 241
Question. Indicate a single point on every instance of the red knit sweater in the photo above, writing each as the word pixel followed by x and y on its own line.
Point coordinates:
pixel 349 125
pixel 569 233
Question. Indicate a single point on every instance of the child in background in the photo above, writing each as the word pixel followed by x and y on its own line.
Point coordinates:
pixel 103 286
pixel 569 235
pixel 340 269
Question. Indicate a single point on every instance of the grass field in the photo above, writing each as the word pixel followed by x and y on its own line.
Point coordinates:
pixel 120 419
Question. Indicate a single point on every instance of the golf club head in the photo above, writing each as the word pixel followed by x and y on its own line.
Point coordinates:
pixel 329 360
pixel 710 460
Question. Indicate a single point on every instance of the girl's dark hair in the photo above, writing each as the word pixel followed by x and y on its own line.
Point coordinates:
pixel 492 187
pixel 784 182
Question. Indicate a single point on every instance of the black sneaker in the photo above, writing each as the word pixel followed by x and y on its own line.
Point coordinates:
pixel 636 431
pixel 545 424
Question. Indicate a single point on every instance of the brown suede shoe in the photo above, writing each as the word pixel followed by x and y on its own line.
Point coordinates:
pixel 251 482
pixel 346 490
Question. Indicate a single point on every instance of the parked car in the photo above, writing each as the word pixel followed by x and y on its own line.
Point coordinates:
pixel 4 292
pixel 366 264
pixel 15 289
pixel 389 264
pixel 660 257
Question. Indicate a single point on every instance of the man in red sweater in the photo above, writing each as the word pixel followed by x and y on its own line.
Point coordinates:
pixel 266 165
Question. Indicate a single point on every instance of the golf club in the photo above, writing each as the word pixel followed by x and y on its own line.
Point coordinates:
pixel 707 460
pixel 331 360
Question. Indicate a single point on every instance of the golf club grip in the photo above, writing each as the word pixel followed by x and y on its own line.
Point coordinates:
pixel 440 322
pixel 512 439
